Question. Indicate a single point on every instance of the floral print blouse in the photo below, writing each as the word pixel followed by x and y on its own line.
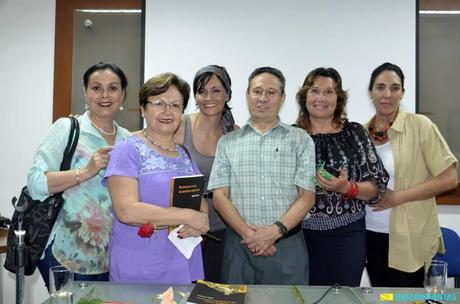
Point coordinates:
pixel 82 230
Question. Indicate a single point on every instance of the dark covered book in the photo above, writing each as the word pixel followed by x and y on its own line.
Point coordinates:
pixel 205 292
pixel 186 191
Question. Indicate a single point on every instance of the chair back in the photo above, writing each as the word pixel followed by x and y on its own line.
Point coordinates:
pixel 452 254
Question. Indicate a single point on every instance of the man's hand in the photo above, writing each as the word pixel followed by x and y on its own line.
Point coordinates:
pixel 269 252
pixel 262 239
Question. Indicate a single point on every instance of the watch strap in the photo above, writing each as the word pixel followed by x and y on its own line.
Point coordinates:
pixel 281 228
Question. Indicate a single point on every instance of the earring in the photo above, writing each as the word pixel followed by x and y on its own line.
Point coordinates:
pixel 86 106
pixel 121 108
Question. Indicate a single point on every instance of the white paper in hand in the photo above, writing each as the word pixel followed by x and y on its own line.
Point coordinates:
pixel 185 246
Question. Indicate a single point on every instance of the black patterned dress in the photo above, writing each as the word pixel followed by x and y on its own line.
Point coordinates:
pixel 335 228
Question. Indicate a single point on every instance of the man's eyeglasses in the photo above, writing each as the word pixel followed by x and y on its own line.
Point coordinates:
pixel 270 93
pixel 161 105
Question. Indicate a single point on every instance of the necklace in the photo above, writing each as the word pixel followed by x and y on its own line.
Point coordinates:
pixel 102 131
pixel 144 131
pixel 379 135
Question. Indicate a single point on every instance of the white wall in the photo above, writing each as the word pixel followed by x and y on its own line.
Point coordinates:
pixel 26 90
pixel 295 36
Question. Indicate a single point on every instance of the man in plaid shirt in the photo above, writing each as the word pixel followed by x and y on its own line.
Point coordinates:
pixel 262 178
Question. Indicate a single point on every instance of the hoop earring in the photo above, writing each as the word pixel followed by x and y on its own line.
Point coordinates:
pixel 86 106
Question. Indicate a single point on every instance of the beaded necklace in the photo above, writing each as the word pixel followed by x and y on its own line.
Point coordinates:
pixel 379 135
pixel 159 145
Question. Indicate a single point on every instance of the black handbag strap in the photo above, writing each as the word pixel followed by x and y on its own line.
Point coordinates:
pixel 71 144
pixel 70 148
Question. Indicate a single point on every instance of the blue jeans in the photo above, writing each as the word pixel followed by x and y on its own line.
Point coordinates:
pixel 49 261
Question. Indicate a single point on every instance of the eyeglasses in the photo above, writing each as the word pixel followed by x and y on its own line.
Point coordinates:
pixel 160 105
pixel 316 92
pixel 270 93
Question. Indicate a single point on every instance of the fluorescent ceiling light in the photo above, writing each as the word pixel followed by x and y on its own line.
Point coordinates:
pixel 439 12
pixel 128 11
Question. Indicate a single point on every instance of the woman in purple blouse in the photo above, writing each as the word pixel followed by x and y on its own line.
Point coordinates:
pixel 138 177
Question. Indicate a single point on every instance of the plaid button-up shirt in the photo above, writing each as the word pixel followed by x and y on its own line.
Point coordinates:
pixel 263 171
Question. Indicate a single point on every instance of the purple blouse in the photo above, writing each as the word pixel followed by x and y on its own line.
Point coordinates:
pixel 149 260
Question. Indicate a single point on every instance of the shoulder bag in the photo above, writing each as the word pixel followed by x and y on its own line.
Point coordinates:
pixel 38 217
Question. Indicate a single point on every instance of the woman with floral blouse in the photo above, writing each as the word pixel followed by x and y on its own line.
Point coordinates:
pixel 80 236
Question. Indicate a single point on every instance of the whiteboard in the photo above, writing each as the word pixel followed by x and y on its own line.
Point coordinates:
pixel 295 36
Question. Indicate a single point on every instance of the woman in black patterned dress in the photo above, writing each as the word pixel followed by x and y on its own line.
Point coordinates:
pixel 335 228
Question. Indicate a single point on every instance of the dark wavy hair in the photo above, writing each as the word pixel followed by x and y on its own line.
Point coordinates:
pixel 159 84
pixel 340 115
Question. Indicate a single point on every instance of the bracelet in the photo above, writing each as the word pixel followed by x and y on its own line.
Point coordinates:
pixel 77 176
pixel 351 193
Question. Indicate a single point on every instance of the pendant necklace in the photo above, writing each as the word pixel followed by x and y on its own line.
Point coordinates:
pixel 144 131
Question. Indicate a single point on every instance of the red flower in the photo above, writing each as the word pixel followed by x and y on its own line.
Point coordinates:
pixel 146 230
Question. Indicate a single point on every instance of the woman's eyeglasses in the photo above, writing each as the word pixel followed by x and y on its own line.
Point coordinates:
pixel 161 105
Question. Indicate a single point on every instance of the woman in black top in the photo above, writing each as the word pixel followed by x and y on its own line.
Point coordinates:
pixel 335 229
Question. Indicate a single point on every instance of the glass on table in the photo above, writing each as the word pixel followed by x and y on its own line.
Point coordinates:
pixel 61 283
pixel 435 277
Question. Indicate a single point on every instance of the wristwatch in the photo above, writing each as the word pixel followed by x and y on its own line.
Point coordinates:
pixel 281 228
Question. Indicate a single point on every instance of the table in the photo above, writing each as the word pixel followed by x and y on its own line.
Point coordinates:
pixel 261 294
pixel 3 236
